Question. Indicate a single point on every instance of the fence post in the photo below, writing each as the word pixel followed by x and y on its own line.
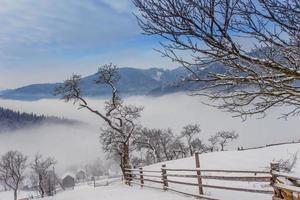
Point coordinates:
pixel 164 177
pixel 125 176
pixel 274 167
pixel 129 175
pixel 94 180
pixel 141 177
pixel 198 173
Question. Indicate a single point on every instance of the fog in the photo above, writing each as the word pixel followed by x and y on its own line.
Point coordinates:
pixel 78 145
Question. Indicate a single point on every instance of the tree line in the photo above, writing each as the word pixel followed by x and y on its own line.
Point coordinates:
pixel 12 120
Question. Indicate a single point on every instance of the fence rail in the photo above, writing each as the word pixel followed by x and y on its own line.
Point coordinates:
pixel 162 177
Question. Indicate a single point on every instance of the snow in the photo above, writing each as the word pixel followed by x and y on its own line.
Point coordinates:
pixel 257 159
pixel 68 174
pixel 158 75
pixel 115 191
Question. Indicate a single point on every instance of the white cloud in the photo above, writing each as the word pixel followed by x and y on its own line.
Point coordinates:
pixel 39 27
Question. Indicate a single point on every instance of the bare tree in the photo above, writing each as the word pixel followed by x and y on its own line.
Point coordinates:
pixel 166 141
pixel 199 146
pixel 149 139
pixel 41 168
pixel 121 119
pixel 178 149
pixel 190 132
pixel 216 32
pixel 287 165
pixel 12 167
pixel 223 138
pixel 157 142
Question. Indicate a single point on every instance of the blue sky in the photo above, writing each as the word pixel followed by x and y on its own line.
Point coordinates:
pixel 48 40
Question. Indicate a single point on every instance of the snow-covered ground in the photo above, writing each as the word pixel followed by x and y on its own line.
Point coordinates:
pixel 115 191
pixel 258 159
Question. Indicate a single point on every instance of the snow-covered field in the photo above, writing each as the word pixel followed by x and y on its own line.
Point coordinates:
pixel 258 159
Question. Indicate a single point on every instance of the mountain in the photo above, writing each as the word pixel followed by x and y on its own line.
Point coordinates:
pixel 153 81
pixel 11 120
pixel 133 82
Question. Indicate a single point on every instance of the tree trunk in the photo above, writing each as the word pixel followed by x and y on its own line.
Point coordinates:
pixel 191 151
pixel 16 194
pixel 222 147
pixel 124 159
pixel 40 186
pixel 126 163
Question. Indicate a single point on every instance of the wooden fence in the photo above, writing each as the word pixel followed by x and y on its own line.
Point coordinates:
pixel 161 179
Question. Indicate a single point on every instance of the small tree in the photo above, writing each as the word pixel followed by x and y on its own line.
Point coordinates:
pixel 157 142
pixel 12 167
pixel 223 138
pixel 121 120
pixel 199 146
pixel 149 139
pixel 41 168
pixel 190 132
pixel 178 149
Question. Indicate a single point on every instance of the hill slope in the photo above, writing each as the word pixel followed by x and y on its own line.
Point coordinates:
pixel 257 159
pixel 11 120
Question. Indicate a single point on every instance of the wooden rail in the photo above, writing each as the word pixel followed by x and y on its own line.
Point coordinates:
pixel 285 175
pixel 287 187
pixel 224 188
pixel 226 178
pixel 165 175
pixel 216 170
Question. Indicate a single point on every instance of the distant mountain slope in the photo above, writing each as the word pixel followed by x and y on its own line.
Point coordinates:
pixel 153 81
pixel 30 92
pixel 11 120
pixel 133 82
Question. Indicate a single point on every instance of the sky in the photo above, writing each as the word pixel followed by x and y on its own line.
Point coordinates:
pixel 48 40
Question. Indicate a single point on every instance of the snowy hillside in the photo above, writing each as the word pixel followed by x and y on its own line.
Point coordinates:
pixel 258 159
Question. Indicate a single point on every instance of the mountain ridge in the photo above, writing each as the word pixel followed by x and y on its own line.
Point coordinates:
pixel 134 81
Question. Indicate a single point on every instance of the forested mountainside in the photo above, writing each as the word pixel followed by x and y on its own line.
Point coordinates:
pixel 12 120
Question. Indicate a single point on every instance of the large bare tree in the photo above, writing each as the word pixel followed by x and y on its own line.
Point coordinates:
pixel 12 167
pixel 121 120
pixel 221 32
